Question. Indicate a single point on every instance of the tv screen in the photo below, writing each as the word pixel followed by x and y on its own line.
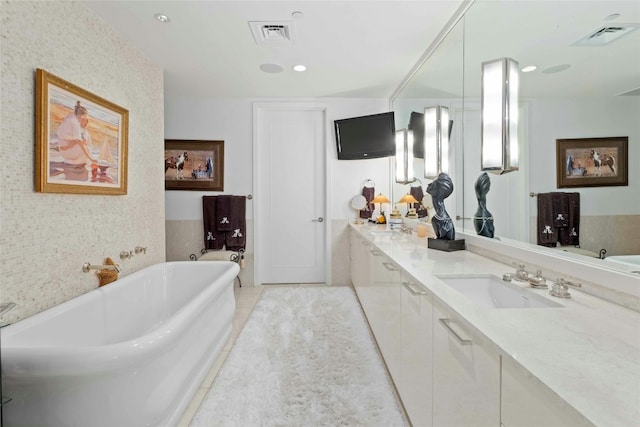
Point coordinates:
pixel 416 124
pixel 366 137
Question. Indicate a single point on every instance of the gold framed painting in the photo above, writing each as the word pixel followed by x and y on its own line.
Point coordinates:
pixel 81 140
pixel 592 162
pixel 193 165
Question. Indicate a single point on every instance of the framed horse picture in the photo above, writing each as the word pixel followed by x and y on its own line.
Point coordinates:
pixel 592 162
pixel 81 140
pixel 193 165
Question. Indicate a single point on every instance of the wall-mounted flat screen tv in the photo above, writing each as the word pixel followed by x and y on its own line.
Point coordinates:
pixel 366 137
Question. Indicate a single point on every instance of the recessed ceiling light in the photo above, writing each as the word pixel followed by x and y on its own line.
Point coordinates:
pixel 271 68
pixel 300 68
pixel 297 15
pixel 161 17
pixel 529 68
pixel 612 17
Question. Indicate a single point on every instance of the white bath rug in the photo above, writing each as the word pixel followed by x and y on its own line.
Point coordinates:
pixel 304 358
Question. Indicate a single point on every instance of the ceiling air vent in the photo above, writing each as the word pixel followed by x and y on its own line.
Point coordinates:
pixel 277 33
pixel 605 35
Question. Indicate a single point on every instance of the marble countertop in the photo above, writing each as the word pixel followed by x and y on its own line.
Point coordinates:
pixel 587 352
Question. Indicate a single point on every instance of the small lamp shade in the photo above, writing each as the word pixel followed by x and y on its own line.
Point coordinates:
pixel 381 198
pixel 408 198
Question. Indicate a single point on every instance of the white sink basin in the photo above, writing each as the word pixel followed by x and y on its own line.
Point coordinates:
pixel 492 292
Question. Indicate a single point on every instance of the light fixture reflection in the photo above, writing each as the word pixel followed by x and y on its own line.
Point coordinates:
pixel 408 199
pixel 499 137
pixel 404 156
pixel 436 141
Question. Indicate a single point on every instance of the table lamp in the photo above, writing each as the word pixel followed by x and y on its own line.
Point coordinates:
pixel 381 198
pixel 411 212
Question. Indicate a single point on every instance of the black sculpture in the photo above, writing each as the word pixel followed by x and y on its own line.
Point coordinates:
pixel 483 220
pixel 440 189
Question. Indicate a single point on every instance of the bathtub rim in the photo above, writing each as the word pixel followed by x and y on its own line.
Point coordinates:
pixel 31 360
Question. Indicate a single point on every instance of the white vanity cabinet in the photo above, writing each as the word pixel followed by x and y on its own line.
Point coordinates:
pixel 466 373
pixel 415 381
pixel 528 403
pixel 360 262
pixel 384 314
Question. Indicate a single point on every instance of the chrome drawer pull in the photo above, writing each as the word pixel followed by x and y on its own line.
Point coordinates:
pixel 446 324
pixel 390 266
pixel 414 292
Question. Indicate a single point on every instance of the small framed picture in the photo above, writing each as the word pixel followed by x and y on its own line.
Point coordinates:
pixel 592 162
pixel 193 165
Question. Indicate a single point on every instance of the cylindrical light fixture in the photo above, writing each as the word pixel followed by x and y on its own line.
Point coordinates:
pixel 499 137
pixel 436 141
pixel 404 156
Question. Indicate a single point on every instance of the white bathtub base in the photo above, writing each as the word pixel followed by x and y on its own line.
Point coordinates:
pixel 132 353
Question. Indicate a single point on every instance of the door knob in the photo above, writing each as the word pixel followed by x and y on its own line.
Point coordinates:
pixel 320 219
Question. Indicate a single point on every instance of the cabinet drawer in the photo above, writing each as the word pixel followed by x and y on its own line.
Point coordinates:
pixel 466 374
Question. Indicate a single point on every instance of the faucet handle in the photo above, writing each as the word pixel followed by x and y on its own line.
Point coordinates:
pixel 126 255
pixel 537 281
pixel 560 289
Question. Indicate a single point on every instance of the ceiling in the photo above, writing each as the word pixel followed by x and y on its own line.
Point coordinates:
pixel 546 34
pixel 350 48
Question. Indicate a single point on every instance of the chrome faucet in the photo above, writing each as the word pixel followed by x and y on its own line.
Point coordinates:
pixel 537 281
pixel 521 274
pixel 405 229
pixel 560 288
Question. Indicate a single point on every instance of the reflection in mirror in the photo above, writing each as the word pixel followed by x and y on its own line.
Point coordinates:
pixel 439 83
pixel 577 90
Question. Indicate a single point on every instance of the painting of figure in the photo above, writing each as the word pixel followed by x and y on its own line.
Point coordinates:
pixel 81 140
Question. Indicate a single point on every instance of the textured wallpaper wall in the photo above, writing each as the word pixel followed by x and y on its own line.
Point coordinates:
pixel 45 238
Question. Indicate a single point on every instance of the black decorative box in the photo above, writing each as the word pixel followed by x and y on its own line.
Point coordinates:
pixel 446 245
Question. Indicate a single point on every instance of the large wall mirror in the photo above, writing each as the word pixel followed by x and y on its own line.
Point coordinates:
pixel 586 85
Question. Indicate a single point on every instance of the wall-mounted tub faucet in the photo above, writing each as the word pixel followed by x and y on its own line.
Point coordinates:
pixel 140 249
pixel 86 267
pixel 126 254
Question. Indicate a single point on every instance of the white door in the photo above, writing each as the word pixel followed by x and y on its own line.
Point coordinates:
pixel 290 194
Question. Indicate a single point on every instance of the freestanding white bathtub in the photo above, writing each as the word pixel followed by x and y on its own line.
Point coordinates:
pixel 131 353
